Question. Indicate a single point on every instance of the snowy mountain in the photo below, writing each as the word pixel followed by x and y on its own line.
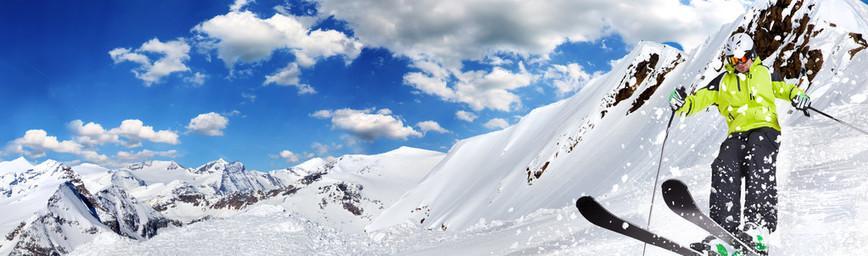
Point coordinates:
pixel 136 202
pixel 350 191
pixel 73 216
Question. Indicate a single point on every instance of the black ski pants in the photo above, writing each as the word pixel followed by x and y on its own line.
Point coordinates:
pixel 751 156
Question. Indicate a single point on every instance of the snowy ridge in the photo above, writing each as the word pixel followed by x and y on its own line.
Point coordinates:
pixel 69 220
pixel 477 183
pixel 353 189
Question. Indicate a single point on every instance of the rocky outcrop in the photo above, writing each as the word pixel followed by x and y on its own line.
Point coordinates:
pixel 128 217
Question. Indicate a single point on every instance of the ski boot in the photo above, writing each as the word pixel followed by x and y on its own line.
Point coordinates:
pixel 758 235
pixel 712 246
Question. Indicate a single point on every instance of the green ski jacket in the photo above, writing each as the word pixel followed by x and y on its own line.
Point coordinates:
pixel 746 101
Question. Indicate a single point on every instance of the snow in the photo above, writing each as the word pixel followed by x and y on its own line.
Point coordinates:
pixel 858 98
pixel 17 165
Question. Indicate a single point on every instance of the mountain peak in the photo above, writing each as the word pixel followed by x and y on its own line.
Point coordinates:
pixel 220 165
pixel 18 164
pixel 47 165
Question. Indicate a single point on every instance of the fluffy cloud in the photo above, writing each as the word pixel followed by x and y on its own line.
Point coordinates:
pixel 40 141
pixel 496 123
pixel 430 126
pixel 450 31
pixel 568 78
pixel 211 124
pixel 367 124
pixel 91 133
pixel 465 116
pixel 88 136
pixel 288 76
pixel 130 133
pixel 37 142
pixel 241 37
pixel 135 131
pixel 173 55
pixel 478 89
pixel 289 156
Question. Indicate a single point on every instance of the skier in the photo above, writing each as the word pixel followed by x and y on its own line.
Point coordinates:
pixel 745 96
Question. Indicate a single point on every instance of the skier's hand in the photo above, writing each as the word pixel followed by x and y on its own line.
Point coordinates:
pixel 676 99
pixel 802 101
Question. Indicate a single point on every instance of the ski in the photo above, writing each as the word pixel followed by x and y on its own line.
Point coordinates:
pixel 678 198
pixel 596 214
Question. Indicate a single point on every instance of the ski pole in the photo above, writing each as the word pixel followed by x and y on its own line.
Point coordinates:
pixel 839 121
pixel 657 178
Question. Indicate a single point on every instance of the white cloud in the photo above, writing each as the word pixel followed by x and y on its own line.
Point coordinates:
pixel 145 154
pixel 288 76
pixel 238 4
pixel 241 37
pixel 496 123
pixel 289 156
pixel 322 114
pixel 39 140
pixel 174 54
pixel 449 31
pixel 35 143
pixel 196 79
pixel 439 35
pixel 367 124
pixel 234 112
pixel 91 133
pixel 478 89
pixel 568 78
pixel 135 131
pixel 211 124
pixel 465 116
pixel 430 126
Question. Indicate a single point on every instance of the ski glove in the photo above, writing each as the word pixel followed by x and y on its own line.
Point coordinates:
pixel 676 99
pixel 802 101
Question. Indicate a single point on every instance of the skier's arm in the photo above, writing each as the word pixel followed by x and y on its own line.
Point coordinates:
pixel 701 99
pixel 784 90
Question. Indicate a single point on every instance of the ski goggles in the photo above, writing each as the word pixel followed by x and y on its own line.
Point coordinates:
pixel 735 61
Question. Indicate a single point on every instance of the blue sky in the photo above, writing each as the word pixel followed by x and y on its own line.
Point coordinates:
pixel 64 61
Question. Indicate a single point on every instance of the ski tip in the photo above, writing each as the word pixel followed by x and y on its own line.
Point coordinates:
pixel 587 206
pixel 585 201
pixel 673 183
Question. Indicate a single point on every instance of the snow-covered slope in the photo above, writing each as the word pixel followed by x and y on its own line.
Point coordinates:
pixel 23 192
pixel 551 155
pixel 68 221
pixel 349 191
pixel 591 145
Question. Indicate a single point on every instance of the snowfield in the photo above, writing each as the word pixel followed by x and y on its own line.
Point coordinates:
pixel 508 192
